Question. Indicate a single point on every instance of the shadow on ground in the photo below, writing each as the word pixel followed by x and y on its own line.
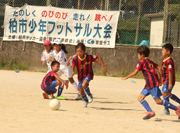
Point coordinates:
pixel 160 120
pixel 101 108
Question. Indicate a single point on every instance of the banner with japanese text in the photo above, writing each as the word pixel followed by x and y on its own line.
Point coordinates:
pixel 95 28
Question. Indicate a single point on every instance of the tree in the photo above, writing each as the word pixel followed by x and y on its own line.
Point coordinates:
pixel 175 8
pixel 139 5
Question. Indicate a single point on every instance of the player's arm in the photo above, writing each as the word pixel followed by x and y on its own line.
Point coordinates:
pixel 170 79
pixel 131 75
pixel 160 74
pixel 69 60
pixel 102 64
pixel 73 66
pixel 97 62
pixel 72 70
pixel 60 80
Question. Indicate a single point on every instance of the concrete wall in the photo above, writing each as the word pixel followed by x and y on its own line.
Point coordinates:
pixel 116 60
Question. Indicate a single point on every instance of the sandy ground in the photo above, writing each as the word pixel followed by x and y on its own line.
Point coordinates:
pixel 115 107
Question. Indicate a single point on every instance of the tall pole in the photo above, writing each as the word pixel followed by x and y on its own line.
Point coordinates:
pixel 101 4
pixel 165 34
pixel 106 4
pixel 138 21
pixel 79 3
pixel 120 4
pixel 84 4
pixel 56 3
pixel 48 2
pixel 13 3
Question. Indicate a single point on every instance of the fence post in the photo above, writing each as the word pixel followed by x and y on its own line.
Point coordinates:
pixel 79 4
pixel 165 20
pixel 138 21
pixel 13 3
pixel 106 4
pixel 48 2
pixel 101 4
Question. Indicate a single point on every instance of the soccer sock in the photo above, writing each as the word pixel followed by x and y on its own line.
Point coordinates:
pixel 75 87
pixel 60 89
pixel 87 90
pixel 175 98
pixel 146 105
pixel 85 98
pixel 168 105
pixel 166 98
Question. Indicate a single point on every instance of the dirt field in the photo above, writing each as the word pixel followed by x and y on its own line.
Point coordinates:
pixel 115 108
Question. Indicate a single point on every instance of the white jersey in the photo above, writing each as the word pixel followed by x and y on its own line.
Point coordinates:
pixel 45 56
pixel 60 57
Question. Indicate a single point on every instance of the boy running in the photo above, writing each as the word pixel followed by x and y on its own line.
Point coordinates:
pixel 168 75
pixel 148 68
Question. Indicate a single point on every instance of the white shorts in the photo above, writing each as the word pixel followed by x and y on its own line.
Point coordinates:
pixel 66 70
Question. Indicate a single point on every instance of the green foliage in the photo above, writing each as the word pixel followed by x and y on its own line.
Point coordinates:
pixel 130 25
pixel 12 65
pixel 175 8
pixel 100 73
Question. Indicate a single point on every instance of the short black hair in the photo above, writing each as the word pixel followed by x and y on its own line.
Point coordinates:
pixel 82 46
pixel 143 50
pixel 168 46
pixel 54 63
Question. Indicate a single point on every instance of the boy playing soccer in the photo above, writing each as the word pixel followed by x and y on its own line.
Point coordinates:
pixel 168 75
pixel 152 82
pixel 83 64
pixel 49 82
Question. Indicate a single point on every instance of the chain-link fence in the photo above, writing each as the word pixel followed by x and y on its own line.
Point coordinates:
pixel 151 22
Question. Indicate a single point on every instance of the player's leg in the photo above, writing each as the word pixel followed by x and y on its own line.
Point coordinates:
pixel 85 86
pixel 156 93
pixel 168 105
pixel 174 97
pixel 166 93
pixel 141 99
pixel 83 94
pixel 60 90
pixel 67 72
pixel 66 82
pixel 51 89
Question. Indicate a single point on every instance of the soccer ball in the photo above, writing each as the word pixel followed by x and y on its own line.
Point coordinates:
pixel 54 104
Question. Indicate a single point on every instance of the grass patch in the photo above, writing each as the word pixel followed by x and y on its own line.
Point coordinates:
pixel 12 65
pixel 177 77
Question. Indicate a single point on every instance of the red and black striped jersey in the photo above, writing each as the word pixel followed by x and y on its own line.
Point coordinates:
pixel 148 69
pixel 84 66
pixel 48 79
pixel 168 65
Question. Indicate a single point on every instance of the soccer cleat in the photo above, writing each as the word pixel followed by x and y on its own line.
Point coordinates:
pixel 79 97
pixel 166 112
pixel 67 83
pixel 178 112
pixel 45 95
pixel 90 99
pixel 85 104
pixel 60 98
pixel 149 115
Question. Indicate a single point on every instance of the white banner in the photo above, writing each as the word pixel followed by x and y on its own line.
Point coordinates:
pixel 95 28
